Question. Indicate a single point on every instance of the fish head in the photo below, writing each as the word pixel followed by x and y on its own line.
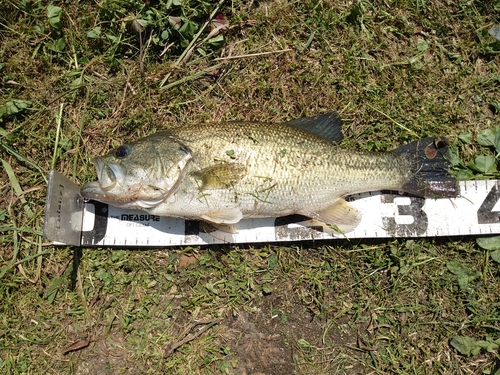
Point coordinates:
pixel 141 174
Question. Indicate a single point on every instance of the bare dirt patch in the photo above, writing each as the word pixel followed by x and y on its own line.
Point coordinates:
pixel 278 339
pixel 107 356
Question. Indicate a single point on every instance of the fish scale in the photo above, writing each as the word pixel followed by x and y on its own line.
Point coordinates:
pixel 317 169
pixel 330 162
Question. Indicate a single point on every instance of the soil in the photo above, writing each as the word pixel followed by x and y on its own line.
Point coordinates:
pixel 276 338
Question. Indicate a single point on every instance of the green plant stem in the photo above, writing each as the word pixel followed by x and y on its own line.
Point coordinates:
pixel 194 40
pixel 191 77
pixel 58 130
pixel 394 121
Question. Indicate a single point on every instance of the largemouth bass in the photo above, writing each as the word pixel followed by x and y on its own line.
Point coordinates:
pixel 224 172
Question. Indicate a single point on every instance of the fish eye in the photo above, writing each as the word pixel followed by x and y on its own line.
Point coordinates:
pixel 122 151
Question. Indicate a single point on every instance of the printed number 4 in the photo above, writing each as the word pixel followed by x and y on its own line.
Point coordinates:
pixel 485 214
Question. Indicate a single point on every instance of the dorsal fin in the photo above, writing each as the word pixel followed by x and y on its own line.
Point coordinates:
pixel 328 126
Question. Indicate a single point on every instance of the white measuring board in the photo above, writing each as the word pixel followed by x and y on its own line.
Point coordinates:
pixel 385 215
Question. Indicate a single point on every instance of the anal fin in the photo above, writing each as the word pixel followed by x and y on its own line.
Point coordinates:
pixel 226 216
pixel 209 227
pixel 340 213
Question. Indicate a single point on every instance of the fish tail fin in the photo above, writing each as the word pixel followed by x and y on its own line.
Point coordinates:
pixel 429 171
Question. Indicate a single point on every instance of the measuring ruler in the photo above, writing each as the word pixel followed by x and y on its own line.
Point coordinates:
pixel 71 220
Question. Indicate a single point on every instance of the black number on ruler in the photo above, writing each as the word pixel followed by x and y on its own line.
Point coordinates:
pixel 98 231
pixel 283 232
pixel 414 209
pixel 485 214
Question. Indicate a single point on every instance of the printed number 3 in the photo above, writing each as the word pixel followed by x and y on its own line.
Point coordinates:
pixel 414 209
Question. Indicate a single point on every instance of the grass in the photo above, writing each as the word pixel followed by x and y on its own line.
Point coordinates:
pixel 81 77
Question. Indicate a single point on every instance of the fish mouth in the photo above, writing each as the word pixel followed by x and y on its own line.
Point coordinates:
pixel 109 176
pixel 91 190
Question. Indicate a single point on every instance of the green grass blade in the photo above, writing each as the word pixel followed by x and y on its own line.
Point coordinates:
pixel 22 158
pixel 14 182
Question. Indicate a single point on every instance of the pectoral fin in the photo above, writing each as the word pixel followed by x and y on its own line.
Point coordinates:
pixel 220 175
pixel 345 216
pixel 227 216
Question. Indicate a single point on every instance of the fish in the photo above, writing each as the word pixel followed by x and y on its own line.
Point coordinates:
pixel 224 172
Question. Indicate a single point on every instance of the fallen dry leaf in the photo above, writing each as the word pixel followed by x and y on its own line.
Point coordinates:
pixel 186 260
pixel 77 345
